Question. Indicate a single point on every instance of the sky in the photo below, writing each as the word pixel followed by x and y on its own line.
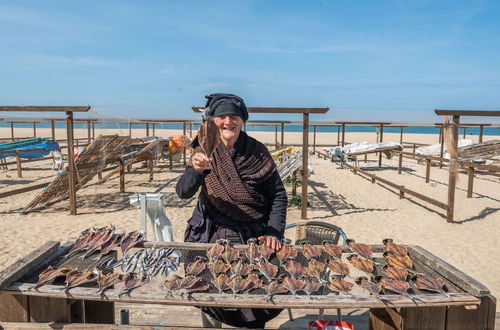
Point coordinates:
pixel 365 60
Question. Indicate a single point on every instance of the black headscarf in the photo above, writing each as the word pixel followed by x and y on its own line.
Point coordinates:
pixel 220 104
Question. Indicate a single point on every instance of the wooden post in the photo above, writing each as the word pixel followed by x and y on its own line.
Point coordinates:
pixel 12 131
pixel 442 146
pixel 150 169
pixel 282 135
pixel 401 194
pixel 470 183
pixel 170 161
pixel 338 135
pixel 191 130
pixel 154 133
pixel 401 135
pixel 427 170
pixel 400 164
pixel 305 159
pixel 343 134
pixel 71 163
pixel 294 183
pixel 184 130
pixel 53 130
pixel 89 133
pixel 93 131
pixel 440 135
pixel 452 176
pixel 381 139
pixel 18 163
pixel 130 129
pixel 34 129
pixel 276 137
pixel 465 131
pixel 481 127
pixel 147 128
pixel 122 177
pixel 314 139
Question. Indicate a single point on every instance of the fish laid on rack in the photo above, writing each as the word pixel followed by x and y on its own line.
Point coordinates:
pixel 400 287
pixel 309 250
pixel 238 284
pixel 240 268
pixel 215 251
pixel 394 248
pixel 430 284
pixel 190 284
pixel 150 262
pixel 333 250
pixel 293 285
pixel 315 269
pixel 273 288
pixel 217 266
pixel 107 281
pixel 294 268
pixel 340 285
pixel 396 273
pixel 173 284
pixel 252 251
pixel 362 264
pixel 254 282
pixel 133 281
pixel 49 275
pixel 230 254
pixel 311 285
pixel 221 282
pixel 286 251
pixel 268 270
pixel 265 251
pixel 338 267
pixel 114 242
pixel 80 279
pixel 197 266
pixel 130 240
pixel 400 262
pixel 81 242
pixel 362 249
pixel 101 239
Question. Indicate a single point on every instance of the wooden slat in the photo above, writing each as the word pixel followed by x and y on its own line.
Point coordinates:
pixel 483 317
pixel 385 319
pixel 27 264
pixel 23 190
pixel 459 278
pixel 277 110
pixel 423 318
pixel 45 108
pixel 245 300
pixel 480 113
pixel 13 308
pixel 45 309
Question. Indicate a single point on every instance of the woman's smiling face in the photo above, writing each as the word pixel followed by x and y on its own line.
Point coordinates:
pixel 229 128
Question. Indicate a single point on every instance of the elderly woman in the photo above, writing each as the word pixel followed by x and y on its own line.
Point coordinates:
pixel 241 196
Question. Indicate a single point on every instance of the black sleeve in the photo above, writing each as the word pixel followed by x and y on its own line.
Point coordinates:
pixel 189 182
pixel 275 190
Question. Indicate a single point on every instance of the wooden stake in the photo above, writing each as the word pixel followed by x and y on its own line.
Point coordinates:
pixel 53 130
pixel 314 139
pixel 381 139
pixel 276 137
pixel 89 136
pixel 305 159
pixel 147 128
pixel 71 163
pixel 400 164
pixel 18 163
pixel 282 134
pixel 93 131
pixel 184 131
pixel 401 135
pixel 427 170
pixel 481 127
pixel 442 147
pixel 34 129
pixel 294 183
pixel 452 175
pixel 122 177
pixel 470 183
pixel 130 129
pixel 338 135
pixel 343 135
pixel 12 131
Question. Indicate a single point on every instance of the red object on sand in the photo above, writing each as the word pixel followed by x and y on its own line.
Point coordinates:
pixel 330 325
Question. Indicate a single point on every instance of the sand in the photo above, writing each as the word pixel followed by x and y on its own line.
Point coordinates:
pixel 367 212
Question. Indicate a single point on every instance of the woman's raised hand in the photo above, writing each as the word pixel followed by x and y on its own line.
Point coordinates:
pixel 200 162
pixel 271 242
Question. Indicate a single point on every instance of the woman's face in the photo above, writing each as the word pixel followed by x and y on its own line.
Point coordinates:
pixel 229 128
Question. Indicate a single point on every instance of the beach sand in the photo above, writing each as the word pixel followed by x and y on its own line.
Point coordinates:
pixel 367 212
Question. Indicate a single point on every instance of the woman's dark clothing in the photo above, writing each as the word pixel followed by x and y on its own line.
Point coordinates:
pixel 208 223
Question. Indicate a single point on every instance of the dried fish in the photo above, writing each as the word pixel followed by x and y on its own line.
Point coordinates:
pixel 132 282
pixel 254 282
pixel 221 282
pixel 338 267
pixel 217 266
pixel 309 250
pixel 209 136
pixel 130 240
pixel 107 281
pixel 339 285
pixel 197 266
pixel 172 284
pixel 396 273
pixel 373 288
pixel 101 239
pixel 294 268
pixel 311 285
pixel 111 244
pixel 362 264
pixel 396 286
pixel 215 251
pixel 315 269
pixel 265 251
pixel 273 288
pixel 230 254
pixel 431 284
pixel 398 261
pixel 190 284
pixel 333 250
pixel 252 251
pixel 238 284
pixel 268 270
pixel 82 278
pixel 362 249
pixel 241 268
pixel 394 248
pixel 286 251
pixel 293 285
pixel 49 275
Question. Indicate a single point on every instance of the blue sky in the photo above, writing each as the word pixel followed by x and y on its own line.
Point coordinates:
pixel 366 60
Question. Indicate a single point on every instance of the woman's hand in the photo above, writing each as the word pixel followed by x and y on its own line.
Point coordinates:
pixel 271 242
pixel 200 162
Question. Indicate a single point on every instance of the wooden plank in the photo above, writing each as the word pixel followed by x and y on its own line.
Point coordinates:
pixel 45 108
pixel 83 326
pixel 423 318
pixel 483 317
pixel 45 309
pixel 23 190
pixel 480 113
pixel 246 300
pixel 13 308
pixel 470 181
pixel 99 312
pixel 71 164
pixel 384 319
pixel 26 264
pixel 454 275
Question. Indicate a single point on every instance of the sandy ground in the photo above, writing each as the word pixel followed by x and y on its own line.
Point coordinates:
pixel 367 212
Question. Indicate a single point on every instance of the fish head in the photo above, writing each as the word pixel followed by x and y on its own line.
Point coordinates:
pixel 201 258
pixel 361 280
pixel 305 242
pixel 387 240
pixel 352 256
pixel 387 254
pixel 327 241
pixel 252 240
pixel 286 241
pixel 223 241
pixel 350 241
